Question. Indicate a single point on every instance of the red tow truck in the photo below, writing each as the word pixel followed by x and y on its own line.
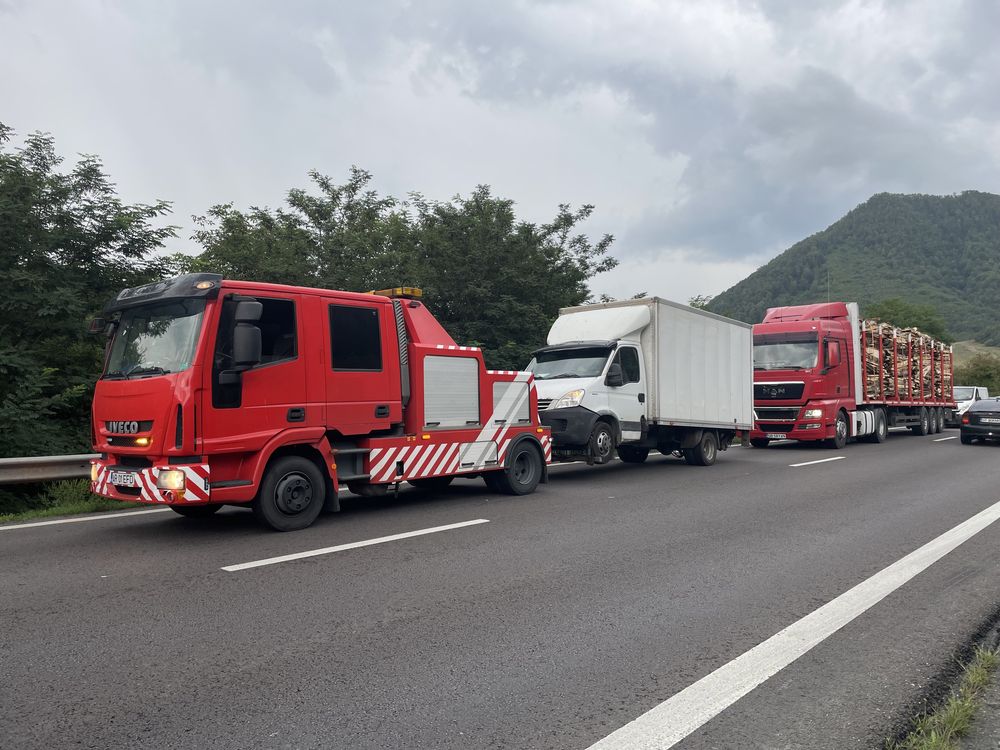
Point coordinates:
pixel 219 392
pixel 822 373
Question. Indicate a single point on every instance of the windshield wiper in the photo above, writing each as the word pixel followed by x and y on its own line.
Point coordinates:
pixel 116 375
pixel 154 370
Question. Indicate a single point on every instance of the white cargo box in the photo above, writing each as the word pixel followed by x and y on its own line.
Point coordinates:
pixel 699 366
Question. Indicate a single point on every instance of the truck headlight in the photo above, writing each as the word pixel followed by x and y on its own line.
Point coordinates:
pixel 171 479
pixel 567 400
pixel 812 414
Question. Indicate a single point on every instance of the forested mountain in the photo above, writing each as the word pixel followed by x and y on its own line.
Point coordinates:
pixel 941 251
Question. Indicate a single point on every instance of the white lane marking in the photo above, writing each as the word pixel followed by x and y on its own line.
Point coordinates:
pixel 80 519
pixel 11 525
pixel 820 461
pixel 941 440
pixel 351 545
pixel 677 717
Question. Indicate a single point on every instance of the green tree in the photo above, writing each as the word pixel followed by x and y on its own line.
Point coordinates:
pixel 491 279
pixel 909 315
pixel 700 301
pixel 67 245
pixel 983 369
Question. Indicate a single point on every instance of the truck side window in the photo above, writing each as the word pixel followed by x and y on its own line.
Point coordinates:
pixel 628 358
pixel 278 340
pixel 355 340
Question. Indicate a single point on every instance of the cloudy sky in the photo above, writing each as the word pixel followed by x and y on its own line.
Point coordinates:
pixel 710 134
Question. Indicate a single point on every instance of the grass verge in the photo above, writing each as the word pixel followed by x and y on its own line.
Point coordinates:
pixel 64 499
pixel 941 728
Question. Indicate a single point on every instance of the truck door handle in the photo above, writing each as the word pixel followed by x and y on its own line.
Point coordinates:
pixel 642 398
pixel 382 410
pixel 297 414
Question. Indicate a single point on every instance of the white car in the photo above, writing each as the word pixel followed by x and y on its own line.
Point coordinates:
pixel 965 396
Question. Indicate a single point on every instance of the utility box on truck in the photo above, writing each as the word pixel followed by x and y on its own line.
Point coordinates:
pixel 644 374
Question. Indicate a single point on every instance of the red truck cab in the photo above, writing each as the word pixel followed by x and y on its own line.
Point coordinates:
pixel 229 392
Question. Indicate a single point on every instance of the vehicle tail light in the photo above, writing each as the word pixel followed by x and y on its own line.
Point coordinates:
pixel 965 419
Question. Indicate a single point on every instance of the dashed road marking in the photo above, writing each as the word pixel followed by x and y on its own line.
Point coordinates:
pixel 80 519
pixel 351 545
pixel 941 440
pixel 820 461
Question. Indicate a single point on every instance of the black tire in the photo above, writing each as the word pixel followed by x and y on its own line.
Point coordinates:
pixel 523 472
pixel 939 427
pixel 839 440
pixel 924 428
pixel 602 443
pixel 881 429
pixel 632 455
pixel 966 439
pixel 432 484
pixel 196 511
pixel 760 442
pixel 705 453
pixel 291 496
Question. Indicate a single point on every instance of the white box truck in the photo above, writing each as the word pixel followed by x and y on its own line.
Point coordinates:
pixel 644 374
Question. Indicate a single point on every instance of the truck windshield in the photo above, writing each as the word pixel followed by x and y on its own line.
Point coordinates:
pixel 155 339
pixel 568 363
pixel 785 351
pixel 964 394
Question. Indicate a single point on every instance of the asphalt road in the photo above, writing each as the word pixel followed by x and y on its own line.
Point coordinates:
pixel 566 616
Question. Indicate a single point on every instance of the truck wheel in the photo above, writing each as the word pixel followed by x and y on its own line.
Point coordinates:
pixel 705 453
pixel 760 442
pixel 291 495
pixel 839 439
pixel 196 511
pixel 924 428
pixel 881 429
pixel 632 455
pixel 431 483
pixel 602 443
pixel 523 472
pixel 939 426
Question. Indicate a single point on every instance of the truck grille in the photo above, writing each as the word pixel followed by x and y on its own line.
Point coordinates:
pixel 777 413
pixel 544 403
pixel 765 391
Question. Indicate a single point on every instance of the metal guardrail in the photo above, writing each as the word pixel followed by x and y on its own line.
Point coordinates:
pixel 44 468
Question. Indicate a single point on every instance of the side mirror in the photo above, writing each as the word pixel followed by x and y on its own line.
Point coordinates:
pixel 247 311
pixel 832 353
pixel 246 345
pixel 616 376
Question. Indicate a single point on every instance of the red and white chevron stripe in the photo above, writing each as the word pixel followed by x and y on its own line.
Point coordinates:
pixel 197 489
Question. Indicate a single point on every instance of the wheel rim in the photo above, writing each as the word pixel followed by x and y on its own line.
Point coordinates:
pixel 523 470
pixel 925 422
pixel 709 450
pixel 603 443
pixel 841 428
pixel 882 428
pixel 293 493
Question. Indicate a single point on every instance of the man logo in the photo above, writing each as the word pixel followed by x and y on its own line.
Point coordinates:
pixel 123 427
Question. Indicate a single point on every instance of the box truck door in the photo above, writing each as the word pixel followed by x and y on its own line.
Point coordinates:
pixel 628 400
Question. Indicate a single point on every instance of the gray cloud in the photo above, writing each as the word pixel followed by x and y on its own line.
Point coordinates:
pixel 718 132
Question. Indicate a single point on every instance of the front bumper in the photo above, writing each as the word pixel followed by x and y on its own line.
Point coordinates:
pixel 797 431
pixel 571 427
pixel 133 484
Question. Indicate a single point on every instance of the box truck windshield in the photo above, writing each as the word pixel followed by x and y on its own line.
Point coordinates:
pixel 785 351
pixel 568 363
pixel 155 339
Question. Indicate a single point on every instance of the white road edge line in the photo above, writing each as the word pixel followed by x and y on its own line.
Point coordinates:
pixel 820 461
pixel 351 545
pixel 941 440
pixel 677 717
pixel 79 519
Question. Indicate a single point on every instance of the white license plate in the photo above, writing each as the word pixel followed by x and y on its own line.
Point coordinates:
pixel 122 478
pixel 989 420
pixel 776 436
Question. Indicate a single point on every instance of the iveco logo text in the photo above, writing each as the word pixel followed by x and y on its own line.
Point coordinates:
pixel 123 427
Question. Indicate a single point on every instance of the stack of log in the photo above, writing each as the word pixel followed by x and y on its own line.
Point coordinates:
pixel 912 366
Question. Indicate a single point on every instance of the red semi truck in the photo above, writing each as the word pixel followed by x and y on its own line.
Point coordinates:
pixel 229 392
pixel 821 373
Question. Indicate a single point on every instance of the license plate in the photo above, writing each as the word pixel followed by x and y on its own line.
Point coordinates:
pixel 122 478
pixel 776 435
pixel 989 420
